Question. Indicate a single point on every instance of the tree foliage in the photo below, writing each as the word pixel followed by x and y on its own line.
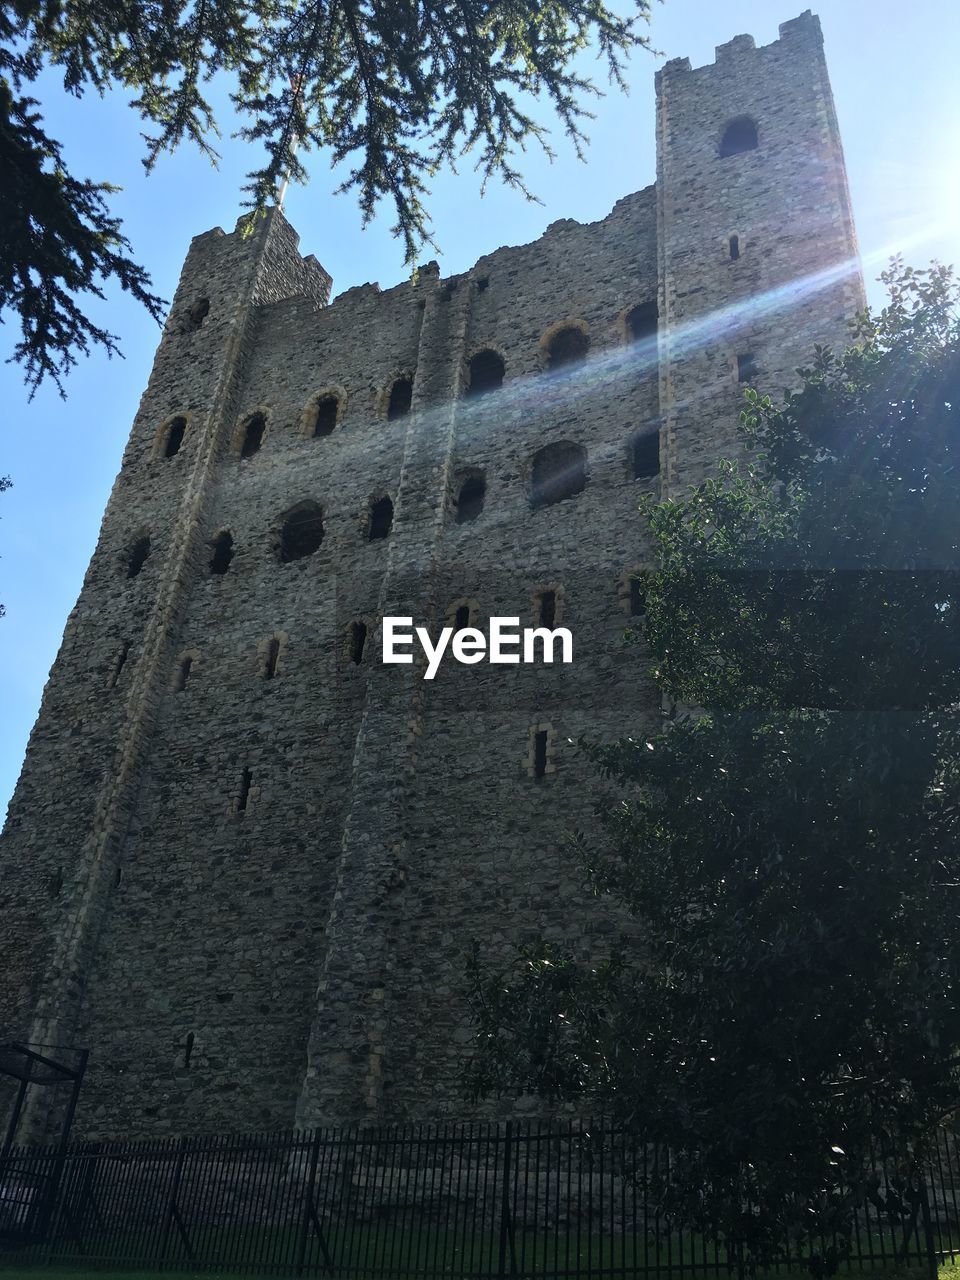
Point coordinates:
pixel 392 89
pixel 784 1001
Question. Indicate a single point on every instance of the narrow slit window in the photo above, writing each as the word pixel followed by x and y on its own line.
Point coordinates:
pixel 471 498
pixel 183 675
pixel 540 753
pixel 253 436
pixel 119 664
pixel 175 434
pixel 734 248
pixel 358 639
pixel 139 554
pixel 271 658
pixel 638 596
pixel 244 794
pixel 746 367
pixel 646 455
pixel 381 519
pixel 187 1050
pixel 328 410
pixel 401 399
pixel 547 611
pixel 462 617
pixel 221 552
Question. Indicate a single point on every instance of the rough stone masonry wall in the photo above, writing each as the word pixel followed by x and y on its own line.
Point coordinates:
pixel 300 957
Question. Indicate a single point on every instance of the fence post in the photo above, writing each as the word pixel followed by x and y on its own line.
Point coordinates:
pixel 933 1264
pixel 172 1201
pixel 506 1224
pixel 307 1211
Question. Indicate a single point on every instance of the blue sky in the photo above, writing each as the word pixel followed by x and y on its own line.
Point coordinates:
pixel 897 91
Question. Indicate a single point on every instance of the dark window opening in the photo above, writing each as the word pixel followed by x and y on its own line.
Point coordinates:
pixel 222 552
pixel 184 674
pixel 540 753
pixel 326 419
pixel 746 367
pixel 559 471
pixel 462 617
pixel 271 658
pixel 117 877
pixel 198 313
pixel 548 608
pixel 175 432
pixel 381 518
pixel 740 135
pixel 188 1049
pixel 119 664
pixel 56 882
pixel 470 501
pixel 483 283
pixel 244 795
pixel 401 398
pixel 358 638
pixel 638 597
pixel 734 248
pixel 448 290
pixel 646 455
pixel 301 532
pixel 139 555
pixel 642 322
pixel 486 373
pixel 253 436
pixel 567 347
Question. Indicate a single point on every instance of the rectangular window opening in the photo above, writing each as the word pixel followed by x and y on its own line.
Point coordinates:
pixel 548 608
pixel 540 753
pixel 244 795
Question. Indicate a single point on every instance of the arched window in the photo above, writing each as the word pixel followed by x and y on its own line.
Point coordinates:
pixel 740 135
pixel 221 552
pixel 301 531
pixel 253 435
pixel 558 471
pixel 646 455
pixel 326 413
pixel 734 248
pixel 139 554
pixel 401 398
pixel 568 346
pixel 486 373
pixel 358 638
pixel 641 322
pixel 381 518
pixel 461 618
pixel 470 499
pixel 197 314
pixel 271 658
pixel 174 432
pixel 183 672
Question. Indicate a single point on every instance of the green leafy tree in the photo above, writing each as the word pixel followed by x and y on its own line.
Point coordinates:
pixel 784 1002
pixel 393 89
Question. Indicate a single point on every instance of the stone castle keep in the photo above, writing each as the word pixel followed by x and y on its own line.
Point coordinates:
pixel 245 858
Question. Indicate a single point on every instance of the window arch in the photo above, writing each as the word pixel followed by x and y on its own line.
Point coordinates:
pixel 641 322
pixel 400 398
pixel 558 471
pixel 322 414
pixel 567 346
pixel 171 436
pixel 733 245
pixel 470 499
pixel 740 135
pixel 485 372
pixel 197 314
pixel 381 518
pixel 251 434
pixel 221 552
pixel 301 531
pixel 139 554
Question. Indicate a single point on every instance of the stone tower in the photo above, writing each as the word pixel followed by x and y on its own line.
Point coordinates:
pixel 245 858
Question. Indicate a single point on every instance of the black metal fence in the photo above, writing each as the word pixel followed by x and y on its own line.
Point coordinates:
pixel 470 1200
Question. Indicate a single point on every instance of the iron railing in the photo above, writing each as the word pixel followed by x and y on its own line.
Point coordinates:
pixel 471 1200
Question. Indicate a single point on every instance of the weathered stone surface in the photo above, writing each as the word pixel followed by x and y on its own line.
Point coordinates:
pixel 250 896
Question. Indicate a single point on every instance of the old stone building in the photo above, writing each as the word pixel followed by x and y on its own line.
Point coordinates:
pixel 245 857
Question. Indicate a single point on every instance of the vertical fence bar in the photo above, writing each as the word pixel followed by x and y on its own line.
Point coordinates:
pixel 306 1211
